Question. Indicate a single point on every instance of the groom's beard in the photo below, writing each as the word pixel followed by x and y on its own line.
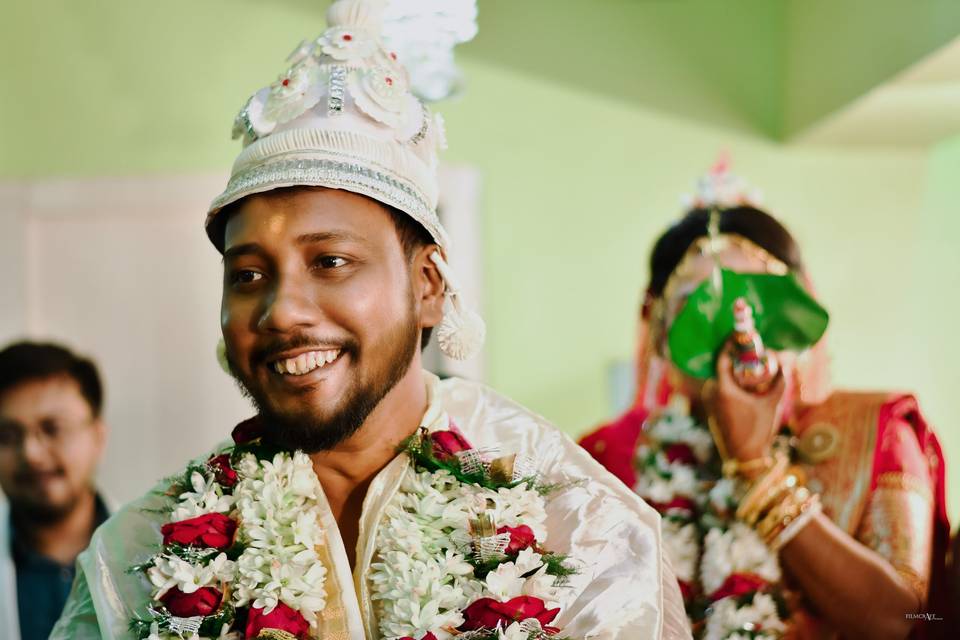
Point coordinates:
pixel 375 371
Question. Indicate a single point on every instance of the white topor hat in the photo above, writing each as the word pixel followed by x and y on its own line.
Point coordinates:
pixel 343 116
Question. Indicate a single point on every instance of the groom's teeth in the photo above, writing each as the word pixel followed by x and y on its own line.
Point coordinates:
pixel 305 362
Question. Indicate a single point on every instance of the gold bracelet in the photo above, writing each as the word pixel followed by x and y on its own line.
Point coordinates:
pixel 795 505
pixel 733 467
pixel 757 496
pixel 781 514
pixel 808 511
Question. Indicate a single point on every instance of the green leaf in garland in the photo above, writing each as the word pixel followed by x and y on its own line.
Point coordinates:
pixel 787 318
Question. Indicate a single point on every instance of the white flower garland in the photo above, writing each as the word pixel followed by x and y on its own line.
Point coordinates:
pixel 421 579
pixel 708 546
pixel 458 551
pixel 276 503
pixel 280 524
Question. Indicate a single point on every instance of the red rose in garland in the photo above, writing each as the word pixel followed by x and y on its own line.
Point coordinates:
pixel 429 636
pixel 681 453
pixel 247 431
pixel 738 584
pixel 487 613
pixel 520 538
pixel 223 470
pixel 446 444
pixel 678 503
pixel 202 602
pixel 282 617
pixel 213 530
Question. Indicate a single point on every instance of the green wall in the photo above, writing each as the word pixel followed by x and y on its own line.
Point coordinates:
pixel 578 178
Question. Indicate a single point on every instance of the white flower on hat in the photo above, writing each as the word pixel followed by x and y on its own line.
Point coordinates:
pixel 297 90
pixel 347 44
pixel 384 94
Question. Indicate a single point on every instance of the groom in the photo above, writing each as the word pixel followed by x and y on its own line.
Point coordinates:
pixel 334 277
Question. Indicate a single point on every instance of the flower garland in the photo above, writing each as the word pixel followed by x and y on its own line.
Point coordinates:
pixel 729 578
pixel 460 547
pixel 240 552
pixel 459 551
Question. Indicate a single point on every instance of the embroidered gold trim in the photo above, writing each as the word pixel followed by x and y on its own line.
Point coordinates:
pixel 899 480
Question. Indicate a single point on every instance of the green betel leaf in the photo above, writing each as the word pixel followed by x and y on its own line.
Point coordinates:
pixel 787 318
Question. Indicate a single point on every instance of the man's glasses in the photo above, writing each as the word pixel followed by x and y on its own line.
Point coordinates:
pixel 49 433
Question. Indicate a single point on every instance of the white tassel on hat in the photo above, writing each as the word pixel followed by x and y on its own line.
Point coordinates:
pixel 462 331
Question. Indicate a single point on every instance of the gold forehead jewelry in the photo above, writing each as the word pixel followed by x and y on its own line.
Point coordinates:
pixel 706 245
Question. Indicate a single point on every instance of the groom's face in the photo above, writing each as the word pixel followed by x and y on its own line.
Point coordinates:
pixel 321 310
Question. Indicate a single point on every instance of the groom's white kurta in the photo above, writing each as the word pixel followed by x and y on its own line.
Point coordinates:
pixel 625 588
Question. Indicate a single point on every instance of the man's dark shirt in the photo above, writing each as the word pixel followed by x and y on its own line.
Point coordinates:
pixel 42 584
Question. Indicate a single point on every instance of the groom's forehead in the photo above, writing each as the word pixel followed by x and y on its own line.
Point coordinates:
pixel 307 216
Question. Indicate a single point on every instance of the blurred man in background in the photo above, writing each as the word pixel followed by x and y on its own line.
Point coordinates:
pixel 52 437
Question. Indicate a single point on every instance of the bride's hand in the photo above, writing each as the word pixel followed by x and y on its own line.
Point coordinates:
pixel 745 422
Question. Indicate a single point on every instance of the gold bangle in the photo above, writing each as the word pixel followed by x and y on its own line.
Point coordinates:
pixel 757 496
pixel 808 512
pixel 778 500
pixel 734 467
pixel 793 498
pixel 793 507
pixel 781 514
